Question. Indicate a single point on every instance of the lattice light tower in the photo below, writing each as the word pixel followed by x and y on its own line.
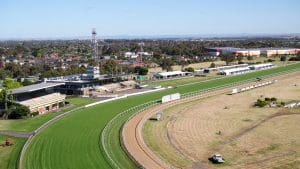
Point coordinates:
pixel 94 45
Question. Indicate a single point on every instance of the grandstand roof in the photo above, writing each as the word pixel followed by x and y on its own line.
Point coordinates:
pixel 43 100
pixel 34 87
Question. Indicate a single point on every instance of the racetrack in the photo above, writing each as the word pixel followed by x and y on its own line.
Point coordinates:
pixel 74 141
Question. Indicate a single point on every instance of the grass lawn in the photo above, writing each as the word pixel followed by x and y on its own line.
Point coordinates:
pixel 180 81
pixel 73 142
pixel 31 124
pixel 9 155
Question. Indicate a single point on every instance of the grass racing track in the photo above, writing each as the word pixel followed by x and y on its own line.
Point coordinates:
pixel 75 142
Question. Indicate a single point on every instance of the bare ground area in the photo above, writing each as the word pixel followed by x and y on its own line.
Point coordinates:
pixel 246 136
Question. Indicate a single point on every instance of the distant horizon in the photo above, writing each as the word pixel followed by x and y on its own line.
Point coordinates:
pixel 166 36
pixel 52 19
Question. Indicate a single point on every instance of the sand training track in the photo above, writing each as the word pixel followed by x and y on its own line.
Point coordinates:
pixel 132 136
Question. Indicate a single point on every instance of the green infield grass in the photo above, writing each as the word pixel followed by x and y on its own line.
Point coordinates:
pixel 30 124
pixel 9 154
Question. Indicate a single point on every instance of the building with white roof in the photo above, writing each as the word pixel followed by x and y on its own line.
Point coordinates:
pixel 235 71
pixel 44 104
pixel 252 52
pixel 165 75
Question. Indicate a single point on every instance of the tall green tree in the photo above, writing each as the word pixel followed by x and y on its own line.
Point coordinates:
pixel 167 64
pixel 11 84
pixel 228 58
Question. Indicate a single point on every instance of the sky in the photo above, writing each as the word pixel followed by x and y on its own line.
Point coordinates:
pixel 76 18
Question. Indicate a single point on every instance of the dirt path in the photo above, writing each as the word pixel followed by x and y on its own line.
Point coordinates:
pixel 16 134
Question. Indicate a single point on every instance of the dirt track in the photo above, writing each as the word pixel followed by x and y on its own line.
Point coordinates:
pixel 132 136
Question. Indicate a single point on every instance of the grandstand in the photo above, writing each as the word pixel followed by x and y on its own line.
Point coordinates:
pixel 44 104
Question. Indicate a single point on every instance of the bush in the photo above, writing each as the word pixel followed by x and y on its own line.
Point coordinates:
pixel 283 58
pixel 189 69
pixel 260 103
pixel 297 58
pixel 270 60
pixel 241 62
pixel 267 99
pixel 250 58
pixel 141 70
pixel 273 99
pixel 34 113
pixel 18 112
pixel 212 65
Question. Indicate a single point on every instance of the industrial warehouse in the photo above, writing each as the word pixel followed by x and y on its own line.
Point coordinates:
pixel 252 52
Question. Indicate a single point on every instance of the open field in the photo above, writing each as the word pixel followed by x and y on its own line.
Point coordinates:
pixel 73 142
pixel 30 124
pixel 9 155
pixel 250 137
pixel 180 81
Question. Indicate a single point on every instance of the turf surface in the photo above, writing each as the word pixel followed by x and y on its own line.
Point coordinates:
pixel 9 154
pixel 31 124
pixel 73 142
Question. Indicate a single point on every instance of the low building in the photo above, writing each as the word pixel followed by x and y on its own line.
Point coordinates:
pixel 235 71
pixel 46 103
pixel 173 74
pixel 40 97
pixel 261 66
pixel 252 52
pixel 247 69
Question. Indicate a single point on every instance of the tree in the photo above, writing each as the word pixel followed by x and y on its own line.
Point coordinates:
pixel 27 82
pixel 11 84
pixel 189 69
pixel 18 111
pixel 109 66
pixel 212 65
pixel 167 64
pixel 283 58
pixel 3 74
pixel 228 58
pixel 141 70
pixel 183 63
pixel 250 58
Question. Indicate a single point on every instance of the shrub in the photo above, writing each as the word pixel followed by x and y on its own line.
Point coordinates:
pixel 212 65
pixel 260 103
pixel 34 113
pixel 267 99
pixel 283 58
pixel 273 99
pixel 189 69
pixel 297 58
pixel 19 112
pixel 250 58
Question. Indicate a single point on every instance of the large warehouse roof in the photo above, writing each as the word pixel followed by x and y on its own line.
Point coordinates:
pixel 34 87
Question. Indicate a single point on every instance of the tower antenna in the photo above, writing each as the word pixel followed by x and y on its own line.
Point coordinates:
pixel 94 46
